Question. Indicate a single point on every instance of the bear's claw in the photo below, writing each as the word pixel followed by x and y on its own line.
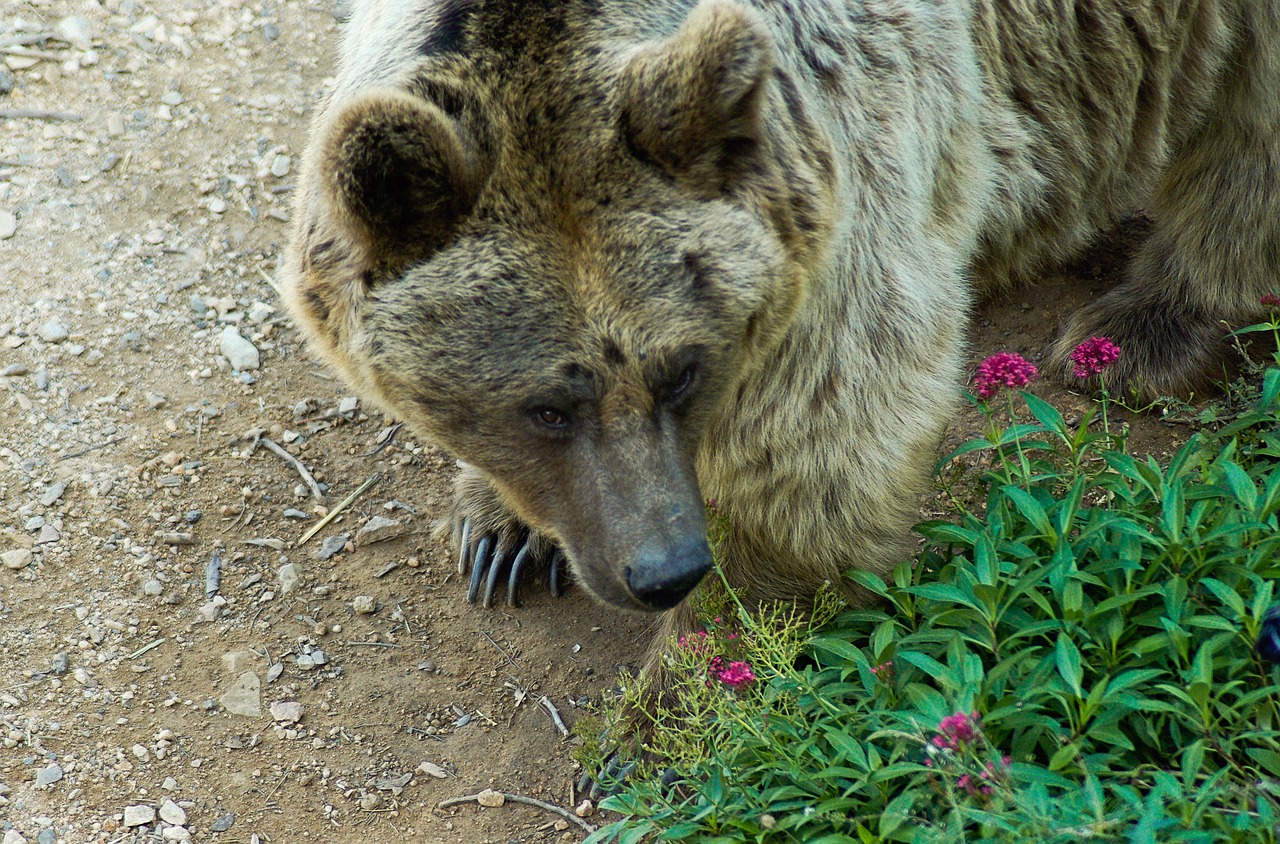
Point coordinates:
pixel 488 568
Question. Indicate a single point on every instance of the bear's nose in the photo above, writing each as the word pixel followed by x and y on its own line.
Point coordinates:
pixel 661 577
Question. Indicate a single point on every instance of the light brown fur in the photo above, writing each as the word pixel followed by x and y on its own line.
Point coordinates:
pixel 511 208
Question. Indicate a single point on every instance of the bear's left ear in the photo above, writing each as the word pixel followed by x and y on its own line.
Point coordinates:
pixel 693 103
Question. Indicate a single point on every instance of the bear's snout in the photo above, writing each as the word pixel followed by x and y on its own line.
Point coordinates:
pixel 660 577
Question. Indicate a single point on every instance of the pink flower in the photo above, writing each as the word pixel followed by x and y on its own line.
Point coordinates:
pixel 1004 369
pixel 1271 300
pixel 1094 355
pixel 737 675
pixel 956 730
pixel 883 671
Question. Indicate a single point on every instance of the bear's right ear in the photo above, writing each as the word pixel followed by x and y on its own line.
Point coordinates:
pixel 398 174
pixel 693 104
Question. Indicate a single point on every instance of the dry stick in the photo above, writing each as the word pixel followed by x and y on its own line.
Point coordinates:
pixel 38 114
pixel 555 715
pixel 28 53
pixel 342 505
pixel 296 464
pixel 32 38
pixel 528 801
pixel 82 452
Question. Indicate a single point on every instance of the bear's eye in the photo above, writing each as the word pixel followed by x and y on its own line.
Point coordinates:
pixel 549 417
pixel 684 381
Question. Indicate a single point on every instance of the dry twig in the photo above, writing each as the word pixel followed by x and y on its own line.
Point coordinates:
pixel 38 114
pixel 555 715
pixel 528 801
pixel 296 464
pixel 342 505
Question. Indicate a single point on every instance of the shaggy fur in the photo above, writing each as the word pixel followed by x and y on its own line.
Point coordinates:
pixel 624 256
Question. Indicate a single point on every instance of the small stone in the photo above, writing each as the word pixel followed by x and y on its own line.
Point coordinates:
pixel 238 662
pixel 176 833
pixel 290 574
pixel 171 98
pixel 379 529
pixel 315 659
pixel 171 812
pixel 47 836
pixel 332 545
pixel 52 494
pixel 12 836
pixel 370 801
pixel 239 352
pixel 584 809
pixel 7 80
pixel 433 770
pixel 245 697
pixel 286 711
pixel 13 370
pixel 364 605
pixel 280 166
pixel 115 124
pixel 77 32
pixel 139 814
pixel 152 588
pixel 48 534
pixel 176 537
pixel 59 665
pixel 18 558
pixel 52 332
pixel 294 513
pixel 48 775
pixel 8 225
pixel 490 799
pixel 348 404
pixel 217 205
pixel 169 784
pixel 223 823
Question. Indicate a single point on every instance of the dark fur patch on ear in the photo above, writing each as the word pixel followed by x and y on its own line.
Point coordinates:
pixel 447 32
pixel 693 103
pixel 399 173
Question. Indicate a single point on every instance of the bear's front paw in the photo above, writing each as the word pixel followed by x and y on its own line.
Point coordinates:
pixel 1164 350
pixel 494 545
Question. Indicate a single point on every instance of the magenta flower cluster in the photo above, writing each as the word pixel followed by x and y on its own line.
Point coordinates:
pixel 1094 355
pixel 957 730
pixel 1271 300
pixel 735 674
pixel 1004 369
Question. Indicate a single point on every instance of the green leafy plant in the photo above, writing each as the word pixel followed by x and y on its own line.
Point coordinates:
pixel 1070 658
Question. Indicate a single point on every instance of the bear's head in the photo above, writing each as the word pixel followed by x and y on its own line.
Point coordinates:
pixel 559 266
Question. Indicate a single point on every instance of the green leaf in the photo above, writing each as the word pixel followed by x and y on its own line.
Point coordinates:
pixel 1030 509
pixel 1241 485
pixel 1270 390
pixel 1068 659
pixel 1046 414
pixel 1268 759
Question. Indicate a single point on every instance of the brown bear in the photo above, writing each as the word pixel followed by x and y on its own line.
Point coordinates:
pixel 623 256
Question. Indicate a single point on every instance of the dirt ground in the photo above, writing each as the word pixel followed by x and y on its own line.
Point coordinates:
pixel 144 195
